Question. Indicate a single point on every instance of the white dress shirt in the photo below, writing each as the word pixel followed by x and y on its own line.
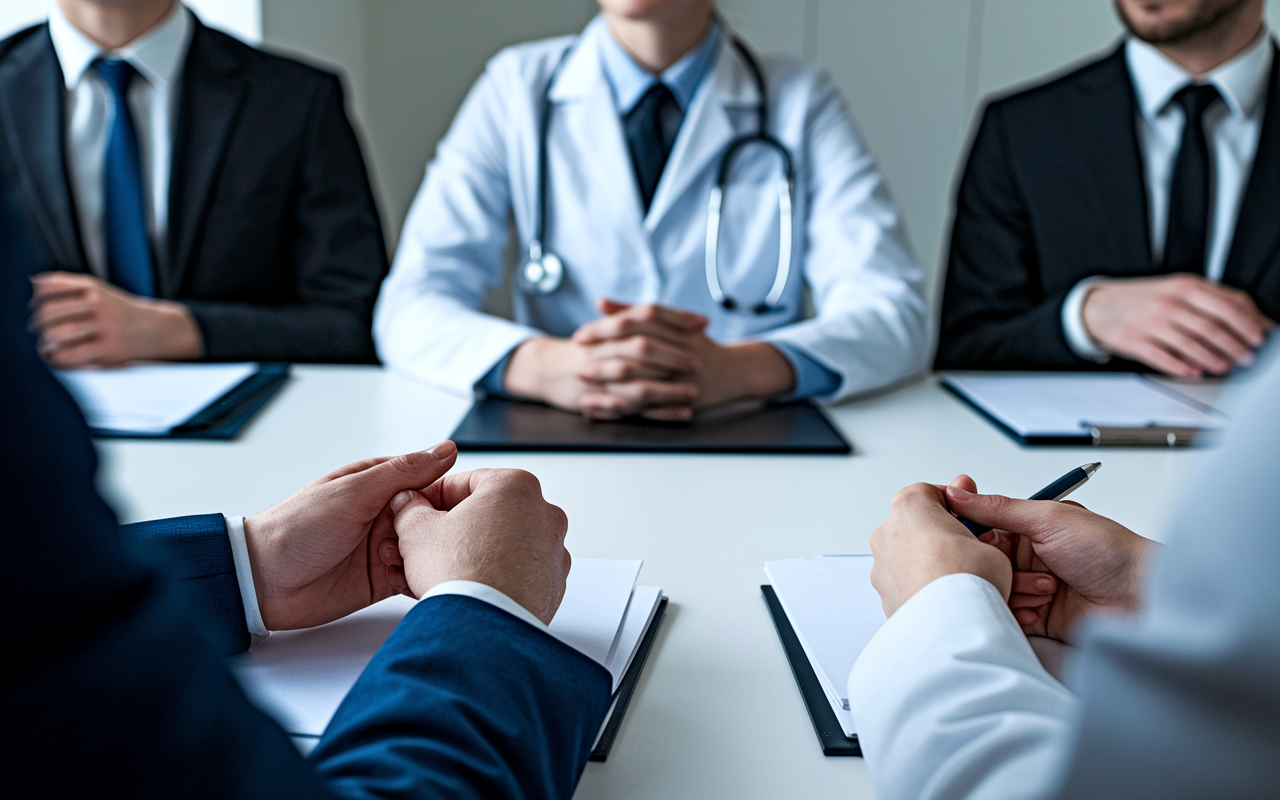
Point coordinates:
pixel 1180 701
pixel 1231 127
pixel 158 56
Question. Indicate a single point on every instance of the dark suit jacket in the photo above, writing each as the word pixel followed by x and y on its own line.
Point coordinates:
pixel 1054 193
pixel 112 684
pixel 274 239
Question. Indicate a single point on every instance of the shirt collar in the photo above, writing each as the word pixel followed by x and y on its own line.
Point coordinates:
pixel 157 55
pixel 630 81
pixel 1242 81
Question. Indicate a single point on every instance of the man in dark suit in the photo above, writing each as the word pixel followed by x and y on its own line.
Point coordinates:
pixel 114 686
pixel 225 215
pixel 1124 216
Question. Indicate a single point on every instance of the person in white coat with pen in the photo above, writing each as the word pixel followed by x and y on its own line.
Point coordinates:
pixel 678 200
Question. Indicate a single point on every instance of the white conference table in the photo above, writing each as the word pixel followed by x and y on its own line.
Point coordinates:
pixel 717 713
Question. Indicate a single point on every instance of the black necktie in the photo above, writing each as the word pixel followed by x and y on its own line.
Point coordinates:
pixel 1188 230
pixel 648 138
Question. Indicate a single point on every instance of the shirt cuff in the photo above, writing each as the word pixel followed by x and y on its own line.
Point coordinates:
pixel 244 577
pixel 1078 339
pixel 812 378
pixel 491 384
pixel 489 595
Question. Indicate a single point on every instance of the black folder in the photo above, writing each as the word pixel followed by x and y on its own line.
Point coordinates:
pixel 627 687
pixel 225 417
pixel 512 425
pixel 830 734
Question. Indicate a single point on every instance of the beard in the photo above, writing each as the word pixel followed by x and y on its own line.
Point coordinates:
pixel 1205 17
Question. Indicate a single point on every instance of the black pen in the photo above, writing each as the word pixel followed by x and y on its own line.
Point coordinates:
pixel 1055 491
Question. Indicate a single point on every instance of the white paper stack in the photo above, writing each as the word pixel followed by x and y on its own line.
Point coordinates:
pixel 301 677
pixel 834 611
pixel 150 399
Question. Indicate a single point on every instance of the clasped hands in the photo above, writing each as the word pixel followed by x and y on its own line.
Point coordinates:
pixel 1054 562
pixel 386 526
pixel 646 360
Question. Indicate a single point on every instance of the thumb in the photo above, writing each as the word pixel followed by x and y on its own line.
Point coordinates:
pixel 608 306
pixel 409 471
pixel 1025 517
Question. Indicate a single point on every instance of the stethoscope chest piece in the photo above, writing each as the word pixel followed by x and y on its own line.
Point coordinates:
pixel 541 273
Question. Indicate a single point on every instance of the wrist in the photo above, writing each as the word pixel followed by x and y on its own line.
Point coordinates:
pixel 759 370
pixel 527 370
pixel 174 334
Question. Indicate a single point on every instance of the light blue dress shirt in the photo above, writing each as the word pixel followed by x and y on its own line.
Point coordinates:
pixel 629 82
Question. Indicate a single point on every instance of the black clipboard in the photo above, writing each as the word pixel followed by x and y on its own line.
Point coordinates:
pixel 830 735
pixel 225 417
pixel 627 687
pixel 497 424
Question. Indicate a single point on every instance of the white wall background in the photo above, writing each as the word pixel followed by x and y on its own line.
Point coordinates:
pixel 913 71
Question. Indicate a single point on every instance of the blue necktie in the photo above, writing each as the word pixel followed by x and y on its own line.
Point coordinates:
pixel 125 220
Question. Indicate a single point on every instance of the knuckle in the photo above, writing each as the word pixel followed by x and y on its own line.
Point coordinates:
pixel 648 313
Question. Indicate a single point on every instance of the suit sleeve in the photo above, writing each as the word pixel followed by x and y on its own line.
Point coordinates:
pixel 338 258
pixel 951 702
pixel 871 326
pixel 466 701
pixel 994 312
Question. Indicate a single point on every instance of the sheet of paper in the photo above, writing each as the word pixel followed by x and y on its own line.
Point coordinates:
pixel 1063 404
pixel 835 611
pixel 152 398
pixel 300 677
pixel 644 604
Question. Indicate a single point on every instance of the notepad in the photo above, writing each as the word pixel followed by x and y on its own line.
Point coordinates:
pixel 150 399
pixel 1064 407
pixel 834 611
pixel 300 677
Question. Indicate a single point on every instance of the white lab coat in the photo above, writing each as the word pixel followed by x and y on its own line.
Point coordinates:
pixel 1182 701
pixel 871 326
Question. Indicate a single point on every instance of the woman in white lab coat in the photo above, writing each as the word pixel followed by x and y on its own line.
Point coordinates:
pixel 627 318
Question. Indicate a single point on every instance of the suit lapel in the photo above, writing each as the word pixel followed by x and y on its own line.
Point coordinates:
pixel 213 91
pixel 1106 138
pixel 31 97
pixel 1255 246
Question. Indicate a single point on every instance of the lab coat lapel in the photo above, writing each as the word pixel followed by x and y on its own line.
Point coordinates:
pixel 706 131
pixel 587 113
pixel 31 96
pixel 212 94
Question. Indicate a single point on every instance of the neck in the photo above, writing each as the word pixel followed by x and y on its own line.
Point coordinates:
pixel 116 24
pixel 659 41
pixel 1213 48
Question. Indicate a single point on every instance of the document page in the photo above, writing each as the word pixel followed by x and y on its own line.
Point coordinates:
pixel 300 677
pixel 1065 404
pixel 150 399
pixel 835 611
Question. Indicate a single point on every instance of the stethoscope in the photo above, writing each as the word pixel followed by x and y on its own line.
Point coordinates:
pixel 542 272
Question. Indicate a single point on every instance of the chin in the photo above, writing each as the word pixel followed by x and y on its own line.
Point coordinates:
pixel 1173 21
pixel 652 9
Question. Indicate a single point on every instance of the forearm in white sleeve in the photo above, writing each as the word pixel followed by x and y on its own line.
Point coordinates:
pixel 872 324
pixel 950 701
pixel 427 321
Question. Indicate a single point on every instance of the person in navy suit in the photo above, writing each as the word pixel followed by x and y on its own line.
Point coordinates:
pixel 114 683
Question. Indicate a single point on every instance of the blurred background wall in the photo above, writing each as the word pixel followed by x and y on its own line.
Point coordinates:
pixel 914 72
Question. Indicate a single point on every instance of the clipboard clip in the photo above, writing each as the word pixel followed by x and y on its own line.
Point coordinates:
pixel 1152 436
